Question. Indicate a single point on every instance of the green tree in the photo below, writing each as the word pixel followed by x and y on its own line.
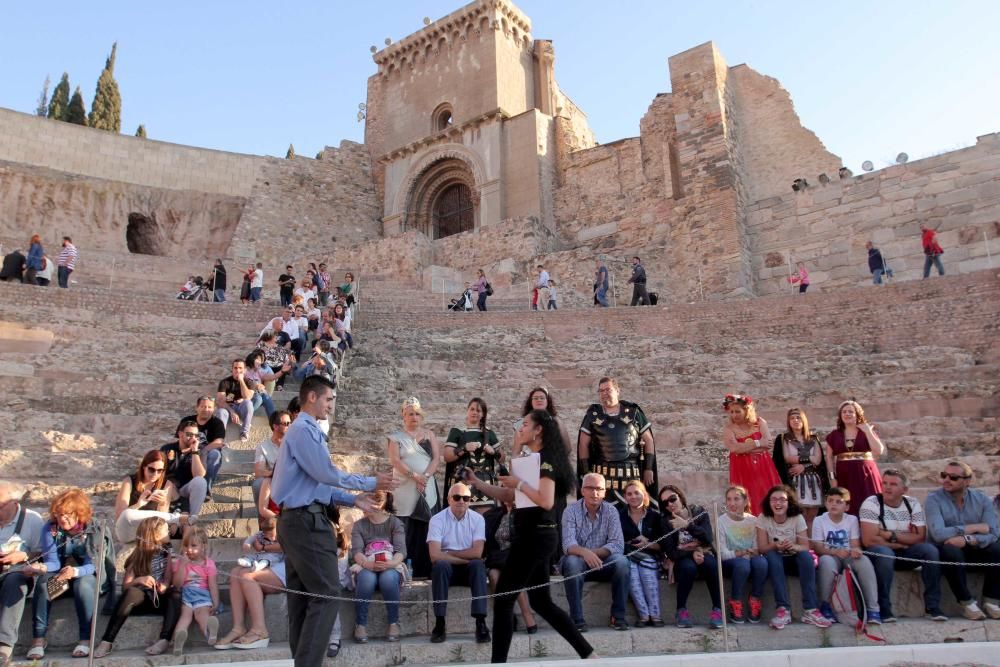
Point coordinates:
pixel 141 131
pixel 106 111
pixel 42 108
pixel 59 103
pixel 76 113
pixel 291 152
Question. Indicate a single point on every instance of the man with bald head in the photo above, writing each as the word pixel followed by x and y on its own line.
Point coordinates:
pixel 20 535
pixel 455 539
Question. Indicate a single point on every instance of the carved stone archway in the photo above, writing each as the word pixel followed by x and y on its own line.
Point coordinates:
pixel 443 199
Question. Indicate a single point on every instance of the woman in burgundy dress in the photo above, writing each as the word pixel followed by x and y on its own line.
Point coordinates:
pixel 854 447
pixel 750 463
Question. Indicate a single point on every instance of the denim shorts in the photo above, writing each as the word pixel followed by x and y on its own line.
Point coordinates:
pixel 195 597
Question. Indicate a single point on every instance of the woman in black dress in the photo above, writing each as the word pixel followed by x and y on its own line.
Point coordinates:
pixel 534 539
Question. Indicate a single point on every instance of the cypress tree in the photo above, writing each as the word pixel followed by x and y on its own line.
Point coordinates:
pixel 141 131
pixel 42 108
pixel 291 152
pixel 76 113
pixel 59 103
pixel 106 110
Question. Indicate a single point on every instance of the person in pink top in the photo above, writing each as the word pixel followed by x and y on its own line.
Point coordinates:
pixel 196 576
pixel 932 251
pixel 481 287
pixel 801 276
pixel 747 438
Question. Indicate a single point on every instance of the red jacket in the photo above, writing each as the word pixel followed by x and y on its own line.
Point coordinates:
pixel 931 246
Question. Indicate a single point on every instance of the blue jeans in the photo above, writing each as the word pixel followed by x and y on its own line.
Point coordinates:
pixel 802 564
pixel 936 261
pixel 444 574
pixel 878 273
pixel 387 582
pixel 220 296
pixel 245 411
pixel 885 569
pixel 82 590
pixel 686 571
pixel 255 294
pixel 601 295
pixel 481 301
pixel 742 569
pixel 615 570
pixel 64 280
pixel 263 398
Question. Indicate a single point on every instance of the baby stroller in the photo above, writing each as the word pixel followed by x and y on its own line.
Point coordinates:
pixel 195 290
pixel 462 303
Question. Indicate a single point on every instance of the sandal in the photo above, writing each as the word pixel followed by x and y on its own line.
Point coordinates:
pixel 252 640
pixel 393 633
pixel 81 650
pixel 36 652
pixel 103 649
pixel 225 643
pixel 159 647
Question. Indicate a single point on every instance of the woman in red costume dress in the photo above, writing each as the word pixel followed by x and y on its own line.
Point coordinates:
pixel 746 436
pixel 853 448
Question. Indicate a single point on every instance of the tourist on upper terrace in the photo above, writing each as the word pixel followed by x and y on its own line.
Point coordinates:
pixel 259 374
pixel 219 281
pixel 43 277
pixel 247 276
pixel 962 522
pixel 877 264
pixel 347 288
pixel 67 261
pixel 499 535
pixel 455 539
pixel 800 277
pixel 474 447
pixel 798 456
pixel 13 266
pixel 534 535
pixel 616 441
pixel 740 558
pixel 322 280
pixel 414 453
pixel 185 468
pixel 784 541
pixel 33 262
pixel 641 528
pixel 211 438
pixel 20 537
pixel 836 539
pixel 853 447
pixel 276 357
pixel 143 494
pixel 378 550
pixel 70 550
pixel 893 525
pixel 638 281
pixel 593 543
pixel 307 486
pixel 541 283
pixel 746 435
pixel 286 284
pixel 234 399
pixel 552 305
pixel 482 289
pixel 260 572
pixel 266 453
pixel 257 283
pixel 601 285
pixel 690 547
pixel 932 250
pixel 146 587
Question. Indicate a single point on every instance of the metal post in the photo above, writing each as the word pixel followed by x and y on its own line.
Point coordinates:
pixel 97 596
pixel 614 292
pixel 701 285
pixel 788 258
pixel 718 567
pixel 111 278
pixel 986 240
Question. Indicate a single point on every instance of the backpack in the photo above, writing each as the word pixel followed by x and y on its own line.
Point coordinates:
pixel 489 289
pixel 45 263
pixel 848 603
pixel 881 509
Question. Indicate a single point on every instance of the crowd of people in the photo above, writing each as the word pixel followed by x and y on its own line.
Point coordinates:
pixel 37 268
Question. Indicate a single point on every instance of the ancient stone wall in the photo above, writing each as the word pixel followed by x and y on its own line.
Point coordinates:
pixel 28 139
pixel 826 226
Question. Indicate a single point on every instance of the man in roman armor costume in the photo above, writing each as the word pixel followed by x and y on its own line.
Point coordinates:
pixel 616 441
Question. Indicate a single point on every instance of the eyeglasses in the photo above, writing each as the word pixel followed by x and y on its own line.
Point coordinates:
pixel 188 434
pixel 670 499
pixel 154 470
pixel 594 488
pixel 954 478
pixel 458 498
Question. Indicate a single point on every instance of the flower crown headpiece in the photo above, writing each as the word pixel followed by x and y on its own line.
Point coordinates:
pixel 736 398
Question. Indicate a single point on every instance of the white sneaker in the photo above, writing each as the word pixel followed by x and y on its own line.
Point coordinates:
pixel 245 562
pixel 992 610
pixel 261 565
pixel 972 611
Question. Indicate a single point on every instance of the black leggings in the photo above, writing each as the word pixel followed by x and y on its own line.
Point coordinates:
pixel 528 565
pixel 135 599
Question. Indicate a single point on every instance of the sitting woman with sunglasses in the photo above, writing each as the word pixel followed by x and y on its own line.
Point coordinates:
pixel 688 543
pixel 143 494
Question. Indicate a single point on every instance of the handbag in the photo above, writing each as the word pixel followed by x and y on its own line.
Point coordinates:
pixel 421 511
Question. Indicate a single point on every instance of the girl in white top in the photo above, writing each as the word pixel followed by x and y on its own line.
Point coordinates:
pixel 740 558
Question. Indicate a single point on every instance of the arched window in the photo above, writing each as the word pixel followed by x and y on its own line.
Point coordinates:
pixel 453 211
pixel 442 118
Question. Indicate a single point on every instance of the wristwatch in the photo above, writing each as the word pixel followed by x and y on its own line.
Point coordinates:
pixel 893 538
pixel 971 540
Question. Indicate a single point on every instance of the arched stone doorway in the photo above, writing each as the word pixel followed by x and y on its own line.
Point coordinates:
pixel 444 200
pixel 143 235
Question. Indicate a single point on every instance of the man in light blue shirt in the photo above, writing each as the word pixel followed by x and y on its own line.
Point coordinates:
pixel 962 522
pixel 306 485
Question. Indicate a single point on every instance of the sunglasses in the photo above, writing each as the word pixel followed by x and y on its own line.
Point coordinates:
pixel 283 424
pixel 458 498
pixel 154 470
pixel 954 478
pixel 670 499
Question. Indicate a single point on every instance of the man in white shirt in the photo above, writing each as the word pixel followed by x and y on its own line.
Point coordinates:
pixel 290 326
pixel 893 525
pixel 20 534
pixel 455 539
pixel 257 283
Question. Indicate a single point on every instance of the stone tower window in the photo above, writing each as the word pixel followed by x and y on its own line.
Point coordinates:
pixel 442 118
pixel 453 211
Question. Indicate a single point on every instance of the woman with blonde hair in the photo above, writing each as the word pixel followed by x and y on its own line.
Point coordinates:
pixel 740 558
pixel 415 455
pixel 852 450
pixel 744 435
pixel 800 459
pixel 641 528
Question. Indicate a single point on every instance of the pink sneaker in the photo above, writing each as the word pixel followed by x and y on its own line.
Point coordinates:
pixel 814 617
pixel 781 618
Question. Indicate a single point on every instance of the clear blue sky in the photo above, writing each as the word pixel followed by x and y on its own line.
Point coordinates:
pixel 870 78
